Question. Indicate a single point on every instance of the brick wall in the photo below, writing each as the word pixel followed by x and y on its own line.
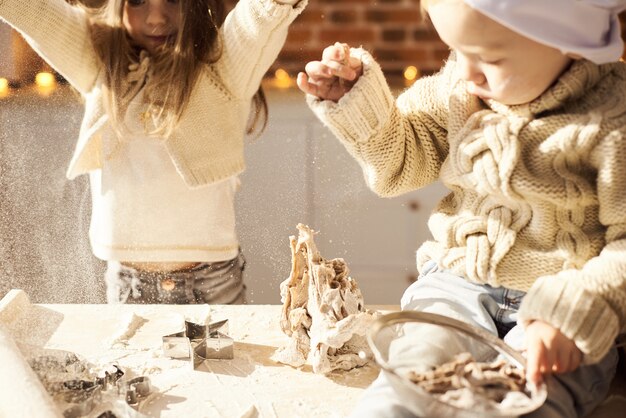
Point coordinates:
pixel 392 29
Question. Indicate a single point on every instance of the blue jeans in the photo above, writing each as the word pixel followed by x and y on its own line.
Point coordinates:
pixel 573 394
pixel 215 283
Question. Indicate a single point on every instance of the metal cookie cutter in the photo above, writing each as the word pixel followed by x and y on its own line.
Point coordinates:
pixel 79 392
pixel 84 399
pixel 200 342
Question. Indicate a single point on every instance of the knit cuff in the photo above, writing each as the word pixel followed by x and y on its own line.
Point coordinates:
pixel 363 111
pixel 578 313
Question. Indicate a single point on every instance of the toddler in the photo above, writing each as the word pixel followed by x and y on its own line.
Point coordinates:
pixel 525 125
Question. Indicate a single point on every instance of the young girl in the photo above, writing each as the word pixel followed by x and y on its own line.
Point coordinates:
pixel 168 87
pixel 525 125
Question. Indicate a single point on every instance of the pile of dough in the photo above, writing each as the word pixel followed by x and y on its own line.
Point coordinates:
pixel 323 311
pixel 476 386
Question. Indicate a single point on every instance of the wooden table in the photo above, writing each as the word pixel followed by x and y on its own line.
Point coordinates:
pixel 219 388
pixel 250 385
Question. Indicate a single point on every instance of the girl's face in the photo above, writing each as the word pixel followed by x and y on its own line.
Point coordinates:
pixel 496 62
pixel 151 23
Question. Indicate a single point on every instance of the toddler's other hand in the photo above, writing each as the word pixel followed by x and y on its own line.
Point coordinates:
pixel 549 351
pixel 333 76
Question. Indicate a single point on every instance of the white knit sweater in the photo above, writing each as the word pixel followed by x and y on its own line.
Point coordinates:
pixel 538 198
pixel 207 146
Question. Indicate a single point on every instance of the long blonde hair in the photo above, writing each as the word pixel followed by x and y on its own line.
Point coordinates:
pixel 174 69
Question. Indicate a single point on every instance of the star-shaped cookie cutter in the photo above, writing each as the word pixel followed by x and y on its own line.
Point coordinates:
pixel 199 342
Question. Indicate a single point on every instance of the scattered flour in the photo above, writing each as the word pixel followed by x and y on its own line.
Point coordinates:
pixel 131 322
pixel 201 318
pixel 251 385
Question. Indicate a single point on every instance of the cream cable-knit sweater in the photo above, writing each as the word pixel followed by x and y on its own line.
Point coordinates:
pixel 538 198
pixel 208 144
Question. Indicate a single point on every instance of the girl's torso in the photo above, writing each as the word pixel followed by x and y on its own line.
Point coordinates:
pixel 146 216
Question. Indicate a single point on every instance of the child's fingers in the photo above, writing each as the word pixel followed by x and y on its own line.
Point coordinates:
pixel 356 64
pixel 340 53
pixel 534 361
pixel 337 52
pixel 569 361
pixel 576 357
pixel 308 86
pixel 318 70
pixel 561 362
pixel 549 360
pixel 325 78
pixel 341 71
pixel 303 84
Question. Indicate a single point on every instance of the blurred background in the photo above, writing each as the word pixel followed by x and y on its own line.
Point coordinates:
pixel 392 30
pixel 296 171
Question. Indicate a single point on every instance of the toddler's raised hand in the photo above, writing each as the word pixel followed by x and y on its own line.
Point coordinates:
pixel 549 351
pixel 333 76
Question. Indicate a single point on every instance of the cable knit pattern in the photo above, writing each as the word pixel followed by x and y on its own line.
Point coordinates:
pixel 538 191
pixel 482 159
pixel 207 145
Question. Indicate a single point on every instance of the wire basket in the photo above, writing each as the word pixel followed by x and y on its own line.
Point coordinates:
pixel 390 327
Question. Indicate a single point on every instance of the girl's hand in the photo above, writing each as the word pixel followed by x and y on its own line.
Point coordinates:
pixel 333 76
pixel 549 351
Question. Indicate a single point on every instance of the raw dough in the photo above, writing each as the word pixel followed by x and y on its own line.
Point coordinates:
pixel 471 385
pixel 323 311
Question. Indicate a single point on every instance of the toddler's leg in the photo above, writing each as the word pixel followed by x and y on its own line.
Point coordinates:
pixel 426 346
pixel 380 400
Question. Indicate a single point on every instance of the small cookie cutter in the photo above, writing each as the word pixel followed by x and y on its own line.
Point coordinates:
pixel 137 390
pixel 81 396
pixel 200 342
pixel 86 397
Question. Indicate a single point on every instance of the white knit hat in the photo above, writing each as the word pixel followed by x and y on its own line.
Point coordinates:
pixel 589 28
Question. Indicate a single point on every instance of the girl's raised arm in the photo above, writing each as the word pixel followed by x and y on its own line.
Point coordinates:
pixel 253 34
pixel 59 33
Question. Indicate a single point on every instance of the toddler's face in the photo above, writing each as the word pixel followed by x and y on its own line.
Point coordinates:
pixel 496 62
pixel 151 23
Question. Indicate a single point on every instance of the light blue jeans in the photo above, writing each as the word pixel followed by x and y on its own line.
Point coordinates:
pixel 218 282
pixel 573 394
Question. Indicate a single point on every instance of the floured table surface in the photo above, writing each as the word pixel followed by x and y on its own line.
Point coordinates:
pixel 130 336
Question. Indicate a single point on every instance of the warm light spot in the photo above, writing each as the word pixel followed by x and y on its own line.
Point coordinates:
pixel 282 79
pixel 411 73
pixel 5 89
pixel 46 83
pixel 45 80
